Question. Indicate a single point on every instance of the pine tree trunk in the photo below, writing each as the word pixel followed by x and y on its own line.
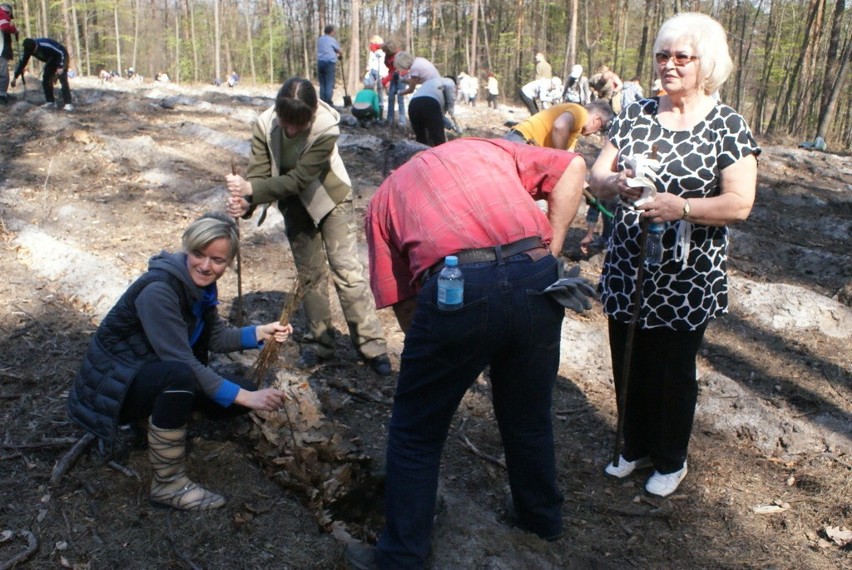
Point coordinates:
pixel 117 39
pixel 77 47
pixel 571 47
pixel 137 9
pixel 643 43
pixel 177 45
pixel 473 44
pixel 73 51
pixel 827 110
pixel 354 64
pixel 250 43
pixel 45 22
pixel 86 38
pixel 193 41
pixel 485 40
pixel 217 43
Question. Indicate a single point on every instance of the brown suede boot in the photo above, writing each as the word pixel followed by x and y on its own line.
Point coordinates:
pixel 170 486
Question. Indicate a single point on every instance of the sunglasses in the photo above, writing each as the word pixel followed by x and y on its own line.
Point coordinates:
pixel 680 59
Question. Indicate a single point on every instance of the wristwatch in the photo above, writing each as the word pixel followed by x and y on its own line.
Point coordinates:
pixel 686 209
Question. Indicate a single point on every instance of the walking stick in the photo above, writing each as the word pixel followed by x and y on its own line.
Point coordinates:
pixel 239 264
pixel 631 334
pixel 628 348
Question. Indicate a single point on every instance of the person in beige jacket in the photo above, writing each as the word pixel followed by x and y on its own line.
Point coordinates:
pixel 295 160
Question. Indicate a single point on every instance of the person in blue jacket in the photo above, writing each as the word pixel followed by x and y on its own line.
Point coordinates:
pixel 55 58
pixel 148 359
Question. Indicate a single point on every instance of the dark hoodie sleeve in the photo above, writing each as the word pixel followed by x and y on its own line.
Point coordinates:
pixel 22 64
pixel 159 311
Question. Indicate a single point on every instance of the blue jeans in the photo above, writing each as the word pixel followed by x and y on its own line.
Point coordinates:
pixel 325 70
pixel 380 90
pixel 394 89
pixel 507 322
pixel 593 214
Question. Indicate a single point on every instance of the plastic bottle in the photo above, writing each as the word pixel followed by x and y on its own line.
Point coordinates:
pixel 450 285
pixel 654 245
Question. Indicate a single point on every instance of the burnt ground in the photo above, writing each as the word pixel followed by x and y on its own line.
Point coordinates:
pixel 86 197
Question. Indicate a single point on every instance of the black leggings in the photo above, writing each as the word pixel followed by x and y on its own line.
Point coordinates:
pixel 427 120
pixel 169 393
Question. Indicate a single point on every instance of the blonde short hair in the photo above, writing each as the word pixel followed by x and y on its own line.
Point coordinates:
pixel 207 229
pixel 707 38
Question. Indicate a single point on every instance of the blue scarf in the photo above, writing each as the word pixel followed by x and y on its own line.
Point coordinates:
pixel 209 299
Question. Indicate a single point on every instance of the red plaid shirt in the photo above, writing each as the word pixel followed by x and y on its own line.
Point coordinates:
pixel 464 194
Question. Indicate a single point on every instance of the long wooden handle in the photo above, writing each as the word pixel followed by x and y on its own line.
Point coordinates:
pixel 239 263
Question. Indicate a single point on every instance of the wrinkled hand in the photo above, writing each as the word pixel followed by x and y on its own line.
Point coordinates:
pixel 268 399
pixel 237 207
pixel 572 291
pixel 274 330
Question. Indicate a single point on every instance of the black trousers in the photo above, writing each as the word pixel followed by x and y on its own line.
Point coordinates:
pixel 661 393
pixel 427 121
pixel 169 393
pixel 47 79
pixel 531 104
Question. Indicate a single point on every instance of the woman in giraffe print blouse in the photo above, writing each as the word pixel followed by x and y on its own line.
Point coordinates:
pixel 707 181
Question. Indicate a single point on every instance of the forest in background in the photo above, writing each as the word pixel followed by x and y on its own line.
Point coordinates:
pixel 791 56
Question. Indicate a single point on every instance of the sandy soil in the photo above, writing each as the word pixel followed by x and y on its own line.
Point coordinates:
pixel 86 197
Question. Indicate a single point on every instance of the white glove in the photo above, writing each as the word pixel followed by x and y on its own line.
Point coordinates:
pixel 644 176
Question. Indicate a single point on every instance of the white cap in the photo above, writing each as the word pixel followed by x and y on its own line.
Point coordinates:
pixel 577 71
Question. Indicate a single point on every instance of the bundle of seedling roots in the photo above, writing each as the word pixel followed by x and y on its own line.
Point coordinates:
pixel 315 457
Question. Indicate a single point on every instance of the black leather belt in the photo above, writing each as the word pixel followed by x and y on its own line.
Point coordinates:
pixel 517 136
pixel 484 254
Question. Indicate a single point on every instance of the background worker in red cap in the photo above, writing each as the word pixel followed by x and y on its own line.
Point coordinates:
pixel 376 69
pixel 7 28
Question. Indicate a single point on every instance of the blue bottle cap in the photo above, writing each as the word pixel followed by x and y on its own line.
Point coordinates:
pixel 451 261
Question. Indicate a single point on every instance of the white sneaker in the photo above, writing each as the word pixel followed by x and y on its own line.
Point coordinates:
pixel 50 105
pixel 625 467
pixel 665 485
pixel 69 107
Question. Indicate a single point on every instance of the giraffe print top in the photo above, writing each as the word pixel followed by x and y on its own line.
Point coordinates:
pixel 680 295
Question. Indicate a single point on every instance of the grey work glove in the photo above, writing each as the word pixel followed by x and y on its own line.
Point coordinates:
pixel 572 291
